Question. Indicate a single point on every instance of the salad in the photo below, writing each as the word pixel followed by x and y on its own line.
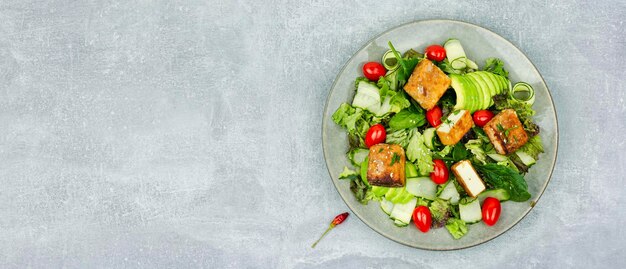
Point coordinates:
pixel 437 140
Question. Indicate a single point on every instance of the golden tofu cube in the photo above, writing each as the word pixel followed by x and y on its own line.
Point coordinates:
pixel 427 84
pixel 386 165
pixel 453 128
pixel 506 132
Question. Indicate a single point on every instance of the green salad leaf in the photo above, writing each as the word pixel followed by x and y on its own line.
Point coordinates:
pixel 400 137
pixel 475 146
pixel 456 227
pixel 361 192
pixel 533 147
pixel 496 66
pixel 503 177
pixel 440 212
pixel 418 153
pixel 355 120
pixel 407 119
pixel 349 174
pixel 406 65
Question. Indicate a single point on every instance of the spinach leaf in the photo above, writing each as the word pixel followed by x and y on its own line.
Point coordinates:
pixel 407 119
pixel 503 177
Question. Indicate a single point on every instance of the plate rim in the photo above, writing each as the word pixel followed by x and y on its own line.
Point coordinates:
pixel 556 133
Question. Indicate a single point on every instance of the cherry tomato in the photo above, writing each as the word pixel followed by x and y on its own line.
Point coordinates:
pixel 491 211
pixel 435 53
pixel 481 117
pixel 422 218
pixel 440 173
pixel 376 134
pixel 433 116
pixel 374 70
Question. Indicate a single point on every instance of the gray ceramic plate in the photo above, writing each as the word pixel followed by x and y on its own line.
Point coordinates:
pixel 479 44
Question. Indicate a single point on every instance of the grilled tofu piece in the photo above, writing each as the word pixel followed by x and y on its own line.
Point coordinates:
pixel 506 132
pixel 386 165
pixel 469 179
pixel 427 84
pixel 453 128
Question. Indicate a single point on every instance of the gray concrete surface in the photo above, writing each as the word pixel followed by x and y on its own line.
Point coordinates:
pixel 162 134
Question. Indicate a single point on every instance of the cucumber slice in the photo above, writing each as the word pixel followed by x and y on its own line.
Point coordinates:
pixel 403 212
pixel 400 223
pixel 455 54
pixel 422 187
pixel 497 157
pixel 523 92
pixel 386 206
pixel 450 193
pixel 526 158
pixel 470 212
pixel 367 97
pixel 471 64
pixel 390 61
pixel 500 194
pixel 483 92
pixel 429 138
pixel 459 90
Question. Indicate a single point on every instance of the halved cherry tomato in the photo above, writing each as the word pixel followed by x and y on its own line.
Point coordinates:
pixel 422 218
pixel 481 117
pixel 435 53
pixel 376 134
pixel 440 173
pixel 433 116
pixel 491 211
pixel 373 71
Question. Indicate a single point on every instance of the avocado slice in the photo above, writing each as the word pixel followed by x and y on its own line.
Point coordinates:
pixel 459 90
pixel 483 91
pixel 493 88
pixel 472 97
pixel 484 86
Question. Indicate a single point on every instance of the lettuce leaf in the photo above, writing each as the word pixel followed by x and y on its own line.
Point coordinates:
pixel 417 152
pixel 475 146
pixel 456 227
pixel 349 174
pixel 533 147
pixel 400 137
pixel 355 120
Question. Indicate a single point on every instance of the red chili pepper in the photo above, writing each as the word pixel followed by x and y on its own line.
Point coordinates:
pixel 336 221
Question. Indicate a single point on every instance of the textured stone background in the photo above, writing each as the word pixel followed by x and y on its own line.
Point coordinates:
pixel 186 133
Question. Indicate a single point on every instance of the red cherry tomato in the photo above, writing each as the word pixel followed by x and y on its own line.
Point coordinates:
pixel 374 70
pixel 433 116
pixel 481 117
pixel 435 53
pixel 491 211
pixel 440 173
pixel 376 134
pixel 422 218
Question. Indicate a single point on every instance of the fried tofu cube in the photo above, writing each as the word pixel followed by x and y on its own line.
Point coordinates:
pixel 468 177
pixel 455 127
pixel 386 165
pixel 427 84
pixel 506 132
